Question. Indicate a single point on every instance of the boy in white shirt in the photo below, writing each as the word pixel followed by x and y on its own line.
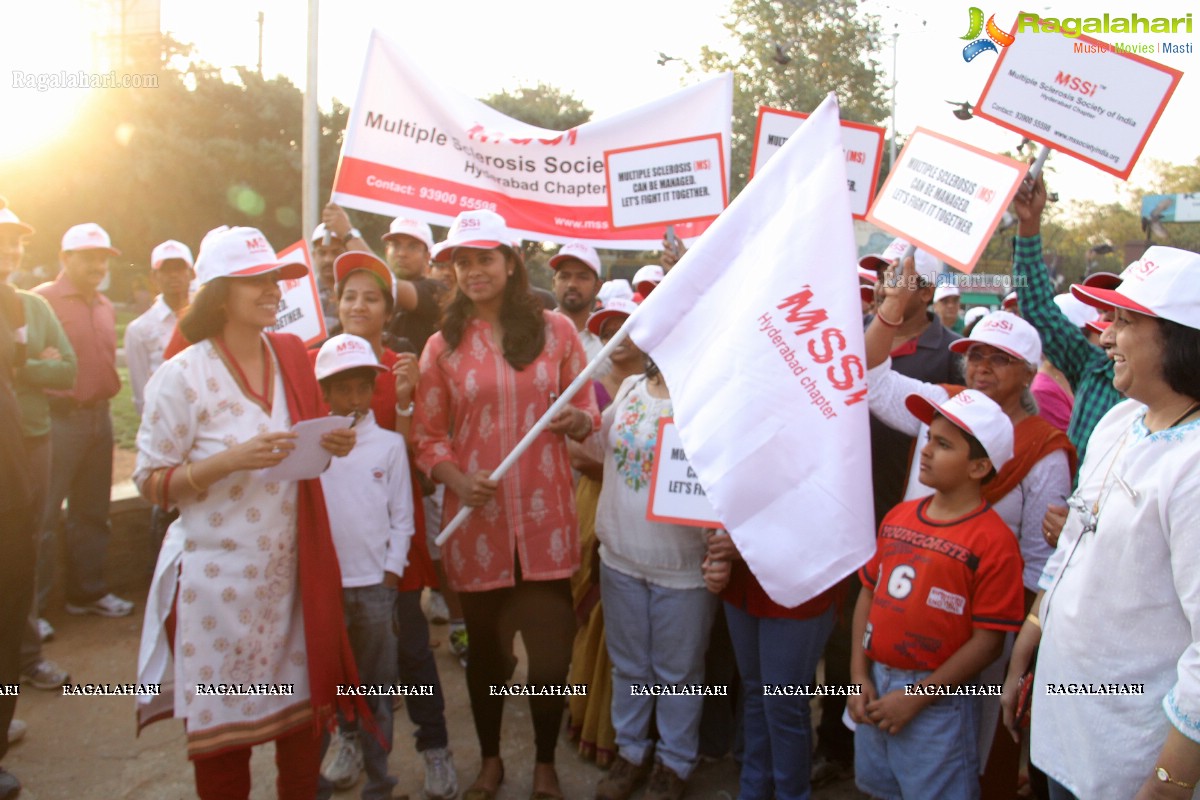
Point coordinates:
pixel 369 498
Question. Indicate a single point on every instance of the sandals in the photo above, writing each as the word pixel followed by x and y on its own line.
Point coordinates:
pixel 478 793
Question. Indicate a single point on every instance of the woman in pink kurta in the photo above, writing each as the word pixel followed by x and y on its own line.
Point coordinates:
pixel 493 370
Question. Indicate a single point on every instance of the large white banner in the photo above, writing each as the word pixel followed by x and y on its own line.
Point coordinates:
pixel 1078 95
pixel 767 376
pixel 418 149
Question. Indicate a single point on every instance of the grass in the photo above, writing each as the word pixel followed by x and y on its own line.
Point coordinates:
pixel 125 418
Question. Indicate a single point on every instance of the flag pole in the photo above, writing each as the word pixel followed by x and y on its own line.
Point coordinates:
pixel 1036 169
pixel 558 405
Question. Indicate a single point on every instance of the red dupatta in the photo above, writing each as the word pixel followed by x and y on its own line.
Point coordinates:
pixel 330 659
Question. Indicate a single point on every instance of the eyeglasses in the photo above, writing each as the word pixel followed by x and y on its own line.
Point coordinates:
pixel 993 360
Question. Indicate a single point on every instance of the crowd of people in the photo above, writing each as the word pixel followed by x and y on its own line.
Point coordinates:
pixel 1034 470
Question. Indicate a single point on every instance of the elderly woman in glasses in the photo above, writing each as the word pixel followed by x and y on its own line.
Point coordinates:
pixel 1002 357
pixel 1120 616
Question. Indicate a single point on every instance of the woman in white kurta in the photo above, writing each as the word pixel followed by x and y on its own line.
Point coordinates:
pixel 1116 699
pixel 226 585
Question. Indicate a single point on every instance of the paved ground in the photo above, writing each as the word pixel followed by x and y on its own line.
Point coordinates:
pixel 85 748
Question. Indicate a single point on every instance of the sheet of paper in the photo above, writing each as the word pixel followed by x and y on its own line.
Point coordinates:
pixel 309 459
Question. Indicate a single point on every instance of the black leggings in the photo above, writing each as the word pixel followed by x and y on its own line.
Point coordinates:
pixel 541 611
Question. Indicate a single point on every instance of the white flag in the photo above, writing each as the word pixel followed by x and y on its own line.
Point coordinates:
pixel 758 331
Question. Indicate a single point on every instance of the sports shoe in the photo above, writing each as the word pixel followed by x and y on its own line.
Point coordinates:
pixel 439 614
pixel 664 784
pixel 45 630
pixel 622 779
pixel 458 642
pixel 16 731
pixel 108 606
pixel 45 674
pixel 343 762
pixel 441 781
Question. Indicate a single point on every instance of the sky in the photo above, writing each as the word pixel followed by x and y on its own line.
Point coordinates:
pixel 606 57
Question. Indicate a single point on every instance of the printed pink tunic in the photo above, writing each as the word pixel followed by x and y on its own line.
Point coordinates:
pixel 472 408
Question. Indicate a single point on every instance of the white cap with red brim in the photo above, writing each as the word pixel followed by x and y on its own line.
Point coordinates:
pixel 1004 331
pixel 926 264
pixel 646 278
pixel 355 260
pixel 480 230
pixel 416 229
pixel 88 236
pixel 616 307
pixel 168 250
pixel 1164 283
pixel 1075 310
pixel 243 253
pixel 580 251
pixel 343 352
pixel 8 219
pixel 974 413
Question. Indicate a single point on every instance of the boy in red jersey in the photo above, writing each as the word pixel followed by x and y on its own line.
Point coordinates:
pixel 938 596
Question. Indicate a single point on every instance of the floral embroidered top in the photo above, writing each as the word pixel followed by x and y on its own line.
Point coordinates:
pixel 472 408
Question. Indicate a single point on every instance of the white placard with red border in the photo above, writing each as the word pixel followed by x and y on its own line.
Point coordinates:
pixel 1078 95
pixel 946 197
pixel 863 145
pixel 666 183
pixel 675 493
pixel 300 307
pixel 416 148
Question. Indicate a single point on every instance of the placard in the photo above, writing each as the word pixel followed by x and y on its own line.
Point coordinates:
pixel 1172 207
pixel 863 145
pixel 946 197
pixel 676 495
pixel 1078 95
pixel 667 183
pixel 300 306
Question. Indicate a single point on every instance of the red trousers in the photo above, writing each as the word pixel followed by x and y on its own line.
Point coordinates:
pixel 297 760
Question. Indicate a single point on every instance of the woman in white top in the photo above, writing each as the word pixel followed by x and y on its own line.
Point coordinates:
pixel 243 625
pixel 1116 698
pixel 657 612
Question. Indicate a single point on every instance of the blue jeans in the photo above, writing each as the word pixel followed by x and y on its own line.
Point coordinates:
pixel 81 474
pixel 934 755
pixel 417 667
pixel 656 635
pixel 777 755
pixel 368 614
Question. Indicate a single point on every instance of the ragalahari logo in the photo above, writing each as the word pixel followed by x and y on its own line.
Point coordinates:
pixel 995 36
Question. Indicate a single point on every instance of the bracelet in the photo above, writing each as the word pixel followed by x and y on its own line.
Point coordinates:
pixel 406 412
pixel 166 488
pixel 1033 618
pixel 187 473
pixel 886 322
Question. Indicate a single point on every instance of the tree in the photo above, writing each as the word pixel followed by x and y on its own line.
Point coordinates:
pixel 792 53
pixel 543 105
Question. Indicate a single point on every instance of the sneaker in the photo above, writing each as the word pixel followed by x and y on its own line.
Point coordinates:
pixel 108 606
pixel 45 630
pixel 439 614
pixel 441 781
pixel 16 731
pixel 343 762
pixel 622 779
pixel 458 642
pixel 45 674
pixel 9 785
pixel 664 784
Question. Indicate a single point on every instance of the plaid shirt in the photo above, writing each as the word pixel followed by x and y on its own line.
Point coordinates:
pixel 1088 369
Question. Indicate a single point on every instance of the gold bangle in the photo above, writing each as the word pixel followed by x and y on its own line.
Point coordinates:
pixel 187 473
pixel 1032 617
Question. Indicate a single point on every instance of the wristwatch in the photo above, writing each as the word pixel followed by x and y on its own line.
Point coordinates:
pixel 1165 777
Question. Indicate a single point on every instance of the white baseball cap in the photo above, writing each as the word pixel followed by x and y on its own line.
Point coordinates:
pixel 1009 301
pixel 1005 331
pixel 942 292
pixel 1164 283
pixel 579 251
pixel 320 231
pixel 1075 310
pixel 976 414
pixel 171 249
pixel 10 220
pixel 481 229
pixel 646 278
pixel 974 315
pixel 410 227
pixel 868 275
pixel 616 307
pixel 242 253
pixel 927 265
pixel 355 260
pixel 345 351
pixel 618 287
pixel 88 236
